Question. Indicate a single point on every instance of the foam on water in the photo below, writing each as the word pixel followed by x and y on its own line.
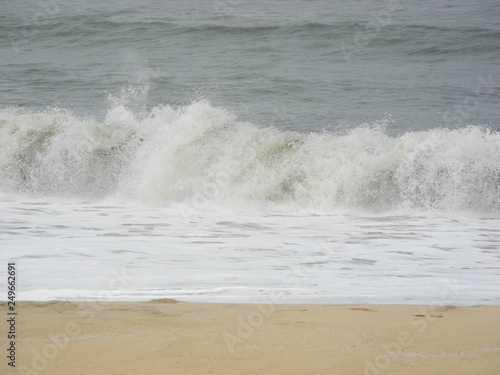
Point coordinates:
pixel 199 153
pixel 80 251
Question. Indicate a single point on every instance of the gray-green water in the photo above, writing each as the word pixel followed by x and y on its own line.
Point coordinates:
pixel 237 150
pixel 299 65
pixel 320 104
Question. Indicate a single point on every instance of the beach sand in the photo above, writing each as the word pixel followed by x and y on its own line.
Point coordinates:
pixel 170 337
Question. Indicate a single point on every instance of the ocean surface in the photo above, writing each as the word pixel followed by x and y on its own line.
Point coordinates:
pixel 251 151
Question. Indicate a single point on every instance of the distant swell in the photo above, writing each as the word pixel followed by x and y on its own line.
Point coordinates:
pixel 200 154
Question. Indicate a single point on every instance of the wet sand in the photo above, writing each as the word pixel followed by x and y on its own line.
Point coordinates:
pixel 170 337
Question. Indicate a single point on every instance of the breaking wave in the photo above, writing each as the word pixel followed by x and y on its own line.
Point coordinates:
pixel 200 153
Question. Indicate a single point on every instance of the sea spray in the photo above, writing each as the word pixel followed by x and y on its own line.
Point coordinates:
pixel 173 154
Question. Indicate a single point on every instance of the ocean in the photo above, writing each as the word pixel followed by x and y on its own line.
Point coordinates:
pixel 251 151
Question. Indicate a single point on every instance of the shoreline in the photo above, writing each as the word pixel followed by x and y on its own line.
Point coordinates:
pixel 168 336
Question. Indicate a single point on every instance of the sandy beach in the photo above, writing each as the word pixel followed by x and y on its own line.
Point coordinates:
pixel 170 337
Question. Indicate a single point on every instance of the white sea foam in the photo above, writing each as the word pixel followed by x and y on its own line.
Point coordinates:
pixel 141 200
pixel 245 213
pixel 203 153
pixel 78 252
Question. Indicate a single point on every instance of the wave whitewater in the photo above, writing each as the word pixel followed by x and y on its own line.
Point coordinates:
pixel 203 153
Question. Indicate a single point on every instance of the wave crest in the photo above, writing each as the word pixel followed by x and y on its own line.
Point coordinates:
pixel 201 152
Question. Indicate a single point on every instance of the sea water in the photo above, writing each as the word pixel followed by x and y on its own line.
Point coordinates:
pixel 307 151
